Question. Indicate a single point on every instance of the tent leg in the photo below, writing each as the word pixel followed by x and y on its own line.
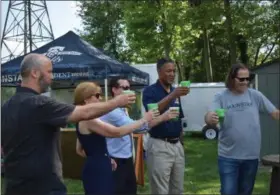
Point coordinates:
pixel 106 89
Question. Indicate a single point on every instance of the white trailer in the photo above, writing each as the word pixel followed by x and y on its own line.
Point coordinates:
pixel 196 104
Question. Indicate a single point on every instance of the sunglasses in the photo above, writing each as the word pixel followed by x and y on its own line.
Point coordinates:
pixel 124 87
pixel 97 95
pixel 243 79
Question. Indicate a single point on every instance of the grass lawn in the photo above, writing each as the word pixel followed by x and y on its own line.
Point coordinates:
pixel 201 174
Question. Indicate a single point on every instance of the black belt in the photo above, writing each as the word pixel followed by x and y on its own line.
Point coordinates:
pixel 122 160
pixel 172 140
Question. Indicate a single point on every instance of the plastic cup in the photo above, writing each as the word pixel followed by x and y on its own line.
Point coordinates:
pixel 128 92
pixel 153 106
pixel 185 84
pixel 176 109
pixel 221 114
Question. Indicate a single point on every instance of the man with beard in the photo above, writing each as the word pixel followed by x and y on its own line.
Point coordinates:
pixel 165 153
pixel 30 125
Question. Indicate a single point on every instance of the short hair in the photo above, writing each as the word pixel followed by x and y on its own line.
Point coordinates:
pixel 115 83
pixel 163 61
pixel 29 62
pixel 233 73
pixel 84 91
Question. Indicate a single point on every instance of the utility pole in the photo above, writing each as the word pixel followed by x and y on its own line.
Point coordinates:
pixel 27 26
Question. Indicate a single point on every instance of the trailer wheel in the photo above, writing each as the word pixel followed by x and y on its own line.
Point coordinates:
pixel 210 133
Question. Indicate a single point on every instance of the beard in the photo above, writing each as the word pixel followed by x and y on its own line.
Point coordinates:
pixel 44 86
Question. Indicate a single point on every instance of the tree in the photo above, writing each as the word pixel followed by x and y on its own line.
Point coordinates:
pixel 103 26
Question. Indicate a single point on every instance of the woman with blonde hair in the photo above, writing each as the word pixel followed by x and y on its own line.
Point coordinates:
pixel 97 173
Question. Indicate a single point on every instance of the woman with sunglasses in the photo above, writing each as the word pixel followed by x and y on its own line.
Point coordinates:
pixel 240 135
pixel 97 174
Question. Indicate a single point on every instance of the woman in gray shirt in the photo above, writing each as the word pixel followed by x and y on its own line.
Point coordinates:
pixel 240 135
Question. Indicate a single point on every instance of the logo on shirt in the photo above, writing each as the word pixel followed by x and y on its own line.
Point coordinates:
pixel 240 105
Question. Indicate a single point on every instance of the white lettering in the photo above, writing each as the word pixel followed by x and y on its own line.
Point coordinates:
pixel 63 75
pixel 80 74
pixel 10 78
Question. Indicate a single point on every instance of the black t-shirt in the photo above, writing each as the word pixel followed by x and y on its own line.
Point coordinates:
pixel 30 123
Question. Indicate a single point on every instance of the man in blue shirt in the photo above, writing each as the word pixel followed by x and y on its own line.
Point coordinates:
pixel 165 153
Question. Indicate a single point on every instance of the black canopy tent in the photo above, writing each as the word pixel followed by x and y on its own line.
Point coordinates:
pixel 75 60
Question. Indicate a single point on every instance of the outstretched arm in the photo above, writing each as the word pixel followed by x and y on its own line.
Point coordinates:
pixel 109 130
pixel 95 110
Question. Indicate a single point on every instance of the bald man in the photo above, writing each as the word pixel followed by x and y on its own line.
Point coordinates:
pixel 30 125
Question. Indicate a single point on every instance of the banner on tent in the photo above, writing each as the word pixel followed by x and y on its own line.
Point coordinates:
pixel 92 75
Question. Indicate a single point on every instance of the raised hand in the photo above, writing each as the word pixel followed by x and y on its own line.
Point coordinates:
pixel 148 116
pixel 180 91
pixel 125 99
pixel 155 112
pixel 170 114
pixel 212 118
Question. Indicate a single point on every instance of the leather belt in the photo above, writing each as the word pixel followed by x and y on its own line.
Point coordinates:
pixel 172 140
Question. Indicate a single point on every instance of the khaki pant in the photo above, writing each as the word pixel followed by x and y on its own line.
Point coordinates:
pixel 166 165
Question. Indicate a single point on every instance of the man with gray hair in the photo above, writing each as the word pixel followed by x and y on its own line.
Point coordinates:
pixel 30 125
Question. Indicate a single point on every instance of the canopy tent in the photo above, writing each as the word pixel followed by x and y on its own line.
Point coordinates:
pixel 75 60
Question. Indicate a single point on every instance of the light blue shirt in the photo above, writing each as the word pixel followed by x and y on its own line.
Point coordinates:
pixel 120 147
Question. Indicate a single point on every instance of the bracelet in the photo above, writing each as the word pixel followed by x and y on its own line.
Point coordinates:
pixel 146 124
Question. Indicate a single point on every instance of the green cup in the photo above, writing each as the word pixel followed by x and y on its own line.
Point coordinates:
pixel 178 110
pixel 153 106
pixel 128 92
pixel 185 84
pixel 221 114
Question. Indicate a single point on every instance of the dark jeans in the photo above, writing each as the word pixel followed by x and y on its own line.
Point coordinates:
pixel 124 177
pixel 237 176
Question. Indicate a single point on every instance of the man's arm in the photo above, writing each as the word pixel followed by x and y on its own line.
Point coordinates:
pixel 265 105
pixel 95 110
pixel 276 114
pixel 149 97
pixel 165 102
pixel 52 112
pixel 211 117
pixel 178 92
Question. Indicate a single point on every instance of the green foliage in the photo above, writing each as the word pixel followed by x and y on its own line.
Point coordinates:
pixel 143 31
pixel 7 93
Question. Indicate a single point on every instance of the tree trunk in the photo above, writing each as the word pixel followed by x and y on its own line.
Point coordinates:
pixel 206 56
pixel 231 39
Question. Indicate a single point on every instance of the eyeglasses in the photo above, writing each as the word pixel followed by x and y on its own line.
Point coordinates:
pixel 124 87
pixel 243 79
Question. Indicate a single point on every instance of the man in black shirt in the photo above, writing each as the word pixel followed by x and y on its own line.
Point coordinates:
pixel 30 125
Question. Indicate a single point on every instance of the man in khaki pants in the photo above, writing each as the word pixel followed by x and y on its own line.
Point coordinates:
pixel 165 152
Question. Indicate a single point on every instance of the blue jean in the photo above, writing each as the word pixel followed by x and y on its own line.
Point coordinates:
pixel 237 177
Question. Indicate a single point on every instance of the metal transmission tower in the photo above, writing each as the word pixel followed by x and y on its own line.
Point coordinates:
pixel 26 27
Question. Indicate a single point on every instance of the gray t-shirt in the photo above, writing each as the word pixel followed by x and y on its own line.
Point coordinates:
pixel 240 134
